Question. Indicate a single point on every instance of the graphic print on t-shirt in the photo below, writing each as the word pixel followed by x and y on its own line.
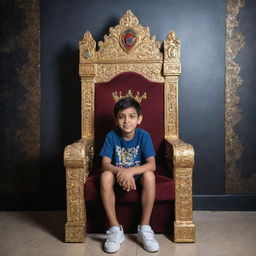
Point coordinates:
pixel 127 157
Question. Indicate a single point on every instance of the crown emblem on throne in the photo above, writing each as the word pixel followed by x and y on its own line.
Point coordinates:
pixel 128 39
pixel 137 96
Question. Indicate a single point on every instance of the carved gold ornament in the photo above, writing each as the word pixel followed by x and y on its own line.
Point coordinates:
pixel 138 45
pixel 137 96
pixel 172 52
pixel 152 71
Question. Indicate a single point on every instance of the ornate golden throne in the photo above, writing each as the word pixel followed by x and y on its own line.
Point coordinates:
pixel 130 61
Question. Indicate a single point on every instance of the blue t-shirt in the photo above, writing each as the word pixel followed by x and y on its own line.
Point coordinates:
pixel 128 153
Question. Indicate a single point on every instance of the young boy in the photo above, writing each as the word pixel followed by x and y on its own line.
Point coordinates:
pixel 128 157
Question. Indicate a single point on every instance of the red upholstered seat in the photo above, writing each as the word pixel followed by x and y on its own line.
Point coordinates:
pixel 164 190
pixel 128 207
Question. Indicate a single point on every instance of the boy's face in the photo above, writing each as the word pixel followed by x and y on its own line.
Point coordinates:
pixel 127 120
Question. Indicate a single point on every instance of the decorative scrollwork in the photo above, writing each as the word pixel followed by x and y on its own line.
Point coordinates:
pixel 182 153
pixel 87 70
pixel 171 48
pixel 172 55
pixel 171 108
pixel 147 48
pixel 152 71
pixel 87 108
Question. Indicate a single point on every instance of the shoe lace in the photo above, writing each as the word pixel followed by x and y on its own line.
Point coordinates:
pixel 149 235
pixel 111 236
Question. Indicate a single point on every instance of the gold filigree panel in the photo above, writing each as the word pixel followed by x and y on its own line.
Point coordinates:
pixel 75 186
pixel 76 219
pixel 87 70
pixel 235 41
pixel 152 71
pixel 87 108
pixel 183 188
pixel 171 106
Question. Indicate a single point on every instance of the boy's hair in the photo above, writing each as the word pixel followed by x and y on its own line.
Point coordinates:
pixel 127 102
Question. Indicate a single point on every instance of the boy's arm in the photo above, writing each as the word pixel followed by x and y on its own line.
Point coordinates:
pixel 150 165
pixel 108 166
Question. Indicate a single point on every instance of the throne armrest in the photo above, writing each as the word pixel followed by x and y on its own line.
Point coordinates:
pixel 78 161
pixel 79 155
pixel 181 155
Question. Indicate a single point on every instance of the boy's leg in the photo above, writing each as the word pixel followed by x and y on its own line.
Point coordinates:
pixel 146 235
pixel 107 181
pixel 115 234
pixel 148 196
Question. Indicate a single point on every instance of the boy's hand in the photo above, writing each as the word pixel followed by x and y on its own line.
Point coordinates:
pixel 129 185
pixel 124 176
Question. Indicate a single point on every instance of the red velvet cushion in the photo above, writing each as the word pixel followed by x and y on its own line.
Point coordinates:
pixel 152 110
pixel 129 215
pixel 164 190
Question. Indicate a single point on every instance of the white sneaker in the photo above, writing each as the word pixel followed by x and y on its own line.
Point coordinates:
pixel 146 236
pixel 115 236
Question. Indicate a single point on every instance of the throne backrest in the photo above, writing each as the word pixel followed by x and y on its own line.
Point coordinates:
pixel 130 59
pixel 151 95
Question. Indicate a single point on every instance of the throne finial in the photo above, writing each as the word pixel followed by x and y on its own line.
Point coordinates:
pixel 137 97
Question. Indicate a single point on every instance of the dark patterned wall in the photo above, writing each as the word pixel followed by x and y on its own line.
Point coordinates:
pixel 19 97
pixel 37 122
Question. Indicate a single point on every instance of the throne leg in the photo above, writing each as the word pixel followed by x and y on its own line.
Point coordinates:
pixel 75 226
pixel 74 232
pixel 184 232
pixel 184 228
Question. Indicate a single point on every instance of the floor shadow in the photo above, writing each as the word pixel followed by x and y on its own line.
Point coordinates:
pixel 100 240
pixel 170 237
pixel 52 222
pixel 133 237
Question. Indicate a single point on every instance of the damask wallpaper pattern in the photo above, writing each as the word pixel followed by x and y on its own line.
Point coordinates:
pixel 240 140
pixel 20 97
